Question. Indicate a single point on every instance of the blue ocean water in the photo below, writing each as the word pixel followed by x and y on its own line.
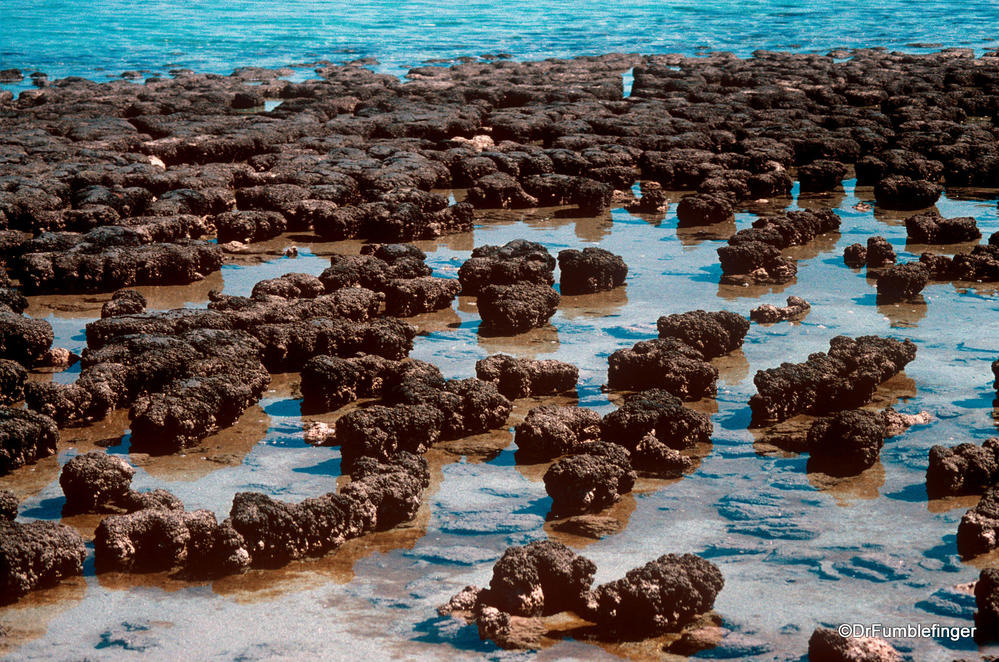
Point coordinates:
pixel 102 38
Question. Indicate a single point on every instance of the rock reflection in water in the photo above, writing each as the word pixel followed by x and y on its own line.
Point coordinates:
pixel 529 344
pixel 690 236
pixel 849 489
pixel 904 314
pixel 598 304
pixel 28 618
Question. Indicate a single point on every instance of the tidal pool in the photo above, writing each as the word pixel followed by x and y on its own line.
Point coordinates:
pixel 796 549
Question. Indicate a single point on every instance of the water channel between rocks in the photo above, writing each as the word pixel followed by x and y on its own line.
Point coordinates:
pixel 796 549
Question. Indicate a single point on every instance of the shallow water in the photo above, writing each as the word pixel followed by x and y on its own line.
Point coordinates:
pixel 103 38
pixel 796 549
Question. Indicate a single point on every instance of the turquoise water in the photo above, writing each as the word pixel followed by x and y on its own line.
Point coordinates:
pixel 102 38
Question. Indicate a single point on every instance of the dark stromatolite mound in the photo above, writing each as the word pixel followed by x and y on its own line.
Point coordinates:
pixel 902 281
pixel 651 457
pixel 666 364
pixel 381 432
pixel 754 254
pixel 468 406
pixel 8 506
pixel 94 268
pixel 660 414
pixel 124 302
pixel 12 379
pixel 594 477
pixel 556 189
pixel 900 192
pixel 995 374
pixel 25 438
pixel 522 378
pixel 191 409
pixel 844 378
pixel 879 252
pixel 855 256
pixel 498 190
pixel 511 309
pixel 978 532
pixel 710 333
pixel 654 199
pixel 549 431
pixel 980 264
pixel 704 209
pixel 661 596
pixel 406 297
pixel 934 229
pixel 767 313
pixel 36 555
pixel 828 645
pixel 544 577
pixel 846 443
pixel 94 479
pixel 330 382
pixel 289 286
pixel 246 226
pixel 390 491
pixel 379 496
pixel 590 270
pixel 987 601
pixel 23 339
pixel 963 469
pixel 821 175
pixel 159 539
pixel 516 261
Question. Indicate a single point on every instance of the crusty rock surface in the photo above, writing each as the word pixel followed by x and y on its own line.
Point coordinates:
pixel 25 438
pixel 37 554
pixel 844 378
pixel 710 333
pixel 827 645
pixel 664 363
pixel 550 431
pixel 590 270
pixel 963 469
pixel 523 378
pixel 594 477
